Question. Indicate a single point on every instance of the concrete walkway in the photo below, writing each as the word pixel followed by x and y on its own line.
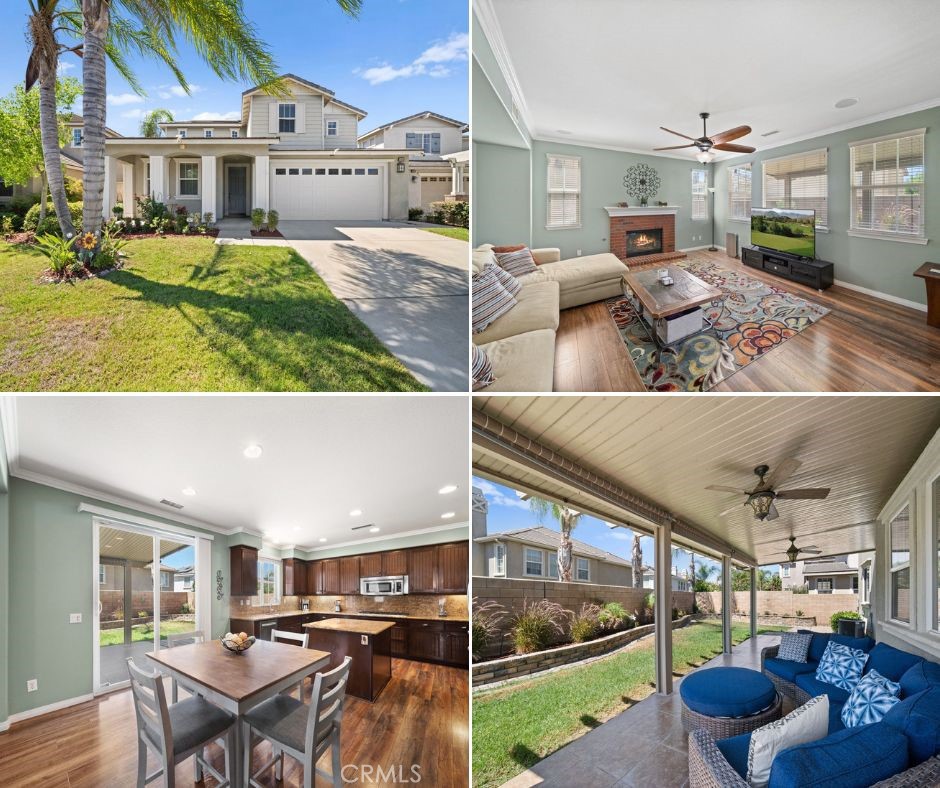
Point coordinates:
pixel 409 286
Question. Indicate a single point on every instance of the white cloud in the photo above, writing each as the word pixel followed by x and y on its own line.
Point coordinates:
pixel 217 116
pixel 430 62
pixel 134 114
pixel 176 91
pixel 65 66
pixel 121 99
pixel 497 497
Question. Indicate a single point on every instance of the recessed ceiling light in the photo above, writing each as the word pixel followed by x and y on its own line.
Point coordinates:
pixel 374 529
pixel 355 512
pixel 119 538
pixel 107 545
pixel 449 488
pixel 322 538
pixel 253 452
pixel 846 102
pixel 188 491
pixel 447 515
pixel 770 133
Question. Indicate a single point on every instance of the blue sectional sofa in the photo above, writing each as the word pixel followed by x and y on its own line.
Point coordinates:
pixel 902 749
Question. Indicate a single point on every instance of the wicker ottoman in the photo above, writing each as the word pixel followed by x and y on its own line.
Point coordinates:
pixel 728 701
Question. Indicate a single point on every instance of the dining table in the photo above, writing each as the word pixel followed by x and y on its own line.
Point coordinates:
pixel 239 682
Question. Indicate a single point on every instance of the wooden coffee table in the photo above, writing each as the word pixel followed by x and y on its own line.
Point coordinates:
pixel 673 312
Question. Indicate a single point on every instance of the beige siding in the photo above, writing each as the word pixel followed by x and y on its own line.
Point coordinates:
pixel 451 136
pixel 309 105
pixel 601 572
pixel 375 141
pixel 346 130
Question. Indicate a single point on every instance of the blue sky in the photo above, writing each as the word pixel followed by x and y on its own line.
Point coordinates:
pixel 398 58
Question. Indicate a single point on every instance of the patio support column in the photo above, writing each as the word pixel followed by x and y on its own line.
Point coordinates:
pixel 208 184
pixel 753 601
pixel 662 589
pixel 129 188
pixel 157 177
pixel 111 167
pixel 726 602
pixel 261 184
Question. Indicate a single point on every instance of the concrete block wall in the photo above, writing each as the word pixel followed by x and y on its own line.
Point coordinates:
pixel 781 603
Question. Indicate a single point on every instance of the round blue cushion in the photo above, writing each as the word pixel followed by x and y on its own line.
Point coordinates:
pixel 727 692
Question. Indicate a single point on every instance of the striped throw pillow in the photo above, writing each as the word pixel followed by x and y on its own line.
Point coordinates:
pixel 507 280
pixel 490 300
pixel 517 263
pixel 481 369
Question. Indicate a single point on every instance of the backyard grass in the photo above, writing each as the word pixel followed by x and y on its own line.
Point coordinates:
pixel 115 637
pixel 516 727
pixel 460 233
pixel 186 315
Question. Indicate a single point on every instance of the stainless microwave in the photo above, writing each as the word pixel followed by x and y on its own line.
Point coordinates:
pixel 384 586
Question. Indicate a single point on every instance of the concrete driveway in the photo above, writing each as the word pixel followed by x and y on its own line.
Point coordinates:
pixel 409 286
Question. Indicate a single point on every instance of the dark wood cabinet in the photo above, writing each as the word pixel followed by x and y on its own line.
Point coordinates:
pixel 349 575
pixel 452 566
pixel 813 273
pixel 243 570
pixel 422 565
pixel 329 576
pixel 395 562
pixel 457 644
pixel 314 584
pixel 426 640
pixel 295 577
pixel 370 565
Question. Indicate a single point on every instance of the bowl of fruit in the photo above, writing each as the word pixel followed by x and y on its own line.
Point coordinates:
pixel 237 642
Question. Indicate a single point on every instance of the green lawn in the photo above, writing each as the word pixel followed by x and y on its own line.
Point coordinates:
pixel 460 233
pixel 186 315
pixel 800 246
pixel 115 637
pixel 516 727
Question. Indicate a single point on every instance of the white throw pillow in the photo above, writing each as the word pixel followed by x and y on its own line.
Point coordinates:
pixel 809 722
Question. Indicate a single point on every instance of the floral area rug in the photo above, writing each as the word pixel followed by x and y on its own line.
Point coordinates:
pixel 754 318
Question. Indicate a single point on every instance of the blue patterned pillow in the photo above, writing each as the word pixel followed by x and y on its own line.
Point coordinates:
pixel 841 666
pixel 870 700
pixel 794 646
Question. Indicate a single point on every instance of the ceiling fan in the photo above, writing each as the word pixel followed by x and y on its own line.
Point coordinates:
pixel 761 498
pixel 705 144
pixel 793 551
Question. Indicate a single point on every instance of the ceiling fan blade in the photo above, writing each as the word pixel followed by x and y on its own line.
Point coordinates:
pixel 812 550
pixel 731 134
pixel 782 472
pixel 730 509
pixel 686 136
pixel 773 514
pixel 732 148
pixel 806 493
pixel 722 488
pixel 676 147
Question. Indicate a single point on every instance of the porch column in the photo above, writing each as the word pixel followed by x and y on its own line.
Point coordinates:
pixel 111 167
pixel 753 601
pixel 456 186
pixel 262 183
pixel 129 188
pixel 158 177
pixel 208 184
pixel 726 597
pixel 662 607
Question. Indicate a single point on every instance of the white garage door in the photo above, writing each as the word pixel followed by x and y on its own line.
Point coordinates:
pixel 306 189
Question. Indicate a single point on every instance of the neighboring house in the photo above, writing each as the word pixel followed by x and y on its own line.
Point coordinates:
pixel 184 578
pixel 111 577
pixel 836 575
pixel 679 583
pixel 438 155
pixel 296 154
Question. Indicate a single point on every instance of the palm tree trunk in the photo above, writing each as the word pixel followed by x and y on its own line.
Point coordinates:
pixel 49 129
pixel 96 14
pixel 564 550
pixel 43 195
pixel 637 561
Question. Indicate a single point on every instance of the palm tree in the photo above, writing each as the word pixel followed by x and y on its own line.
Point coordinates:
pixel 704 573
pixel 568 520
pixel 149 126
pixel 636 559
pixel 217 30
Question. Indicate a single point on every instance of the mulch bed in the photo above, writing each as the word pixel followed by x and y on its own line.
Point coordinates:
pixel 30 237
pixel 266 234
pixel 50 277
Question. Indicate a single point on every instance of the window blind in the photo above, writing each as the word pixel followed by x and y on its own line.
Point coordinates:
pixel 699 194
pixel 564 191
pixel 887 183
pixel 739 191
pixel 799 181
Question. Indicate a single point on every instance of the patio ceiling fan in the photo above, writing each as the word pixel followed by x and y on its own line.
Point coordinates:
pixel 793 551
pixel 761 499
pixel 718 141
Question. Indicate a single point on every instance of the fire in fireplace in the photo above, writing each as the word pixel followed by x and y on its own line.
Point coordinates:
pixel 641 242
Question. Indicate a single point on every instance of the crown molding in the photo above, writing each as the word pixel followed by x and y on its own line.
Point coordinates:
pixel 618 149
pixel 385 538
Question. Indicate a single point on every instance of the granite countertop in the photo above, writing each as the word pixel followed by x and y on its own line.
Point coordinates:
pixel 355 625
pixel 350 613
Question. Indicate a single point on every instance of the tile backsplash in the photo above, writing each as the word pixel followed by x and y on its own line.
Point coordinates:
pixel 410 604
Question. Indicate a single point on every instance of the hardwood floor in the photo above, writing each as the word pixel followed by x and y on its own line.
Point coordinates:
pixel 421 717
pixel 863 344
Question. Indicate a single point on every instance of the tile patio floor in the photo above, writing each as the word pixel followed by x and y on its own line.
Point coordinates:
pixel 641 747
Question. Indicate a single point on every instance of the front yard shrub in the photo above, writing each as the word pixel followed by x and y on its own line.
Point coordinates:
pixel 453 213
pixel 834 618
pixel 257 218
pixel 20 205
pixel 612 615
pixel 150 209
pixel 50 224
pixel 536 624
pixel 415 214
pixel 74 190
pixel 273 219
pixel 209 218
pixel 584 624
pixel 9 223
pixel 60 252
pixel 484 628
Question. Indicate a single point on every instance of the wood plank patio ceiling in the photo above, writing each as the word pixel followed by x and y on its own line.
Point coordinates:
pixel 667 449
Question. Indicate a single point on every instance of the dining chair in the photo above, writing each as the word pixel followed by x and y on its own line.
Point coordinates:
pixel 178 731
pixel 303 731
pixel 179 639
pixel 294 637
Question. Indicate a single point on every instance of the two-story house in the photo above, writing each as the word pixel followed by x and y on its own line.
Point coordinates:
pixel 296 154
pixel 438 155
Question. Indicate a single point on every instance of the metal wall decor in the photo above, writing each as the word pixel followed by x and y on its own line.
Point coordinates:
pixel 642 182
pixel 219 592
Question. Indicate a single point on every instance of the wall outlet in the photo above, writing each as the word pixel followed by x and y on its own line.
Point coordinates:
pixel 364 639
pixel 32 685
pixel 75 618
pixel 579 252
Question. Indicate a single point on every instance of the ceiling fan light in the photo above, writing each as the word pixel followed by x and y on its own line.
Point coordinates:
pixel 792 553
pixel 761 502
pixel 704 157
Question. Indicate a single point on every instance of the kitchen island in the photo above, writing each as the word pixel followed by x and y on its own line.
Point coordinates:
pixel 369 643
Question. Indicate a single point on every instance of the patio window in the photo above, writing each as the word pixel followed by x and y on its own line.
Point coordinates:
pixel 533 562
pixel 331 128
pixel 824 585
pixel 207 133
pixel 583 569
pixel 234 134
pixel 499 559
pixel 286 118
pixel 76 138
pixel 269 582
pixel 899 537
pixel 189 179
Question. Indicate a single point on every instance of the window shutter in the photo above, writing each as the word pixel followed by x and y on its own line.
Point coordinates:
pixel 411 140
pixel 435 143
pixel 799 181
pixel 699 194
pixel 272 117
pixel 564 191
pixel 300 122
pixel 739 191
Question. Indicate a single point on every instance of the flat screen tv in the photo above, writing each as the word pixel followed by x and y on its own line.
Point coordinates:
pixel 789 230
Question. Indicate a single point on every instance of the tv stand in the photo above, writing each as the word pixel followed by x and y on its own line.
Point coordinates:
pixel 817 274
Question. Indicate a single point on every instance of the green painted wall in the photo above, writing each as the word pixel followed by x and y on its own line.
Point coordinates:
pixel 883 266
pixel 52 577
pixel 501 195
pixel 4 580
pixel 454 534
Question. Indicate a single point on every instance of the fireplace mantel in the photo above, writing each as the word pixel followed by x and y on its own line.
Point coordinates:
pixel 642 210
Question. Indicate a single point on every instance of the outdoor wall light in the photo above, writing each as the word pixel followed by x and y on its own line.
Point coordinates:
pixel 400 167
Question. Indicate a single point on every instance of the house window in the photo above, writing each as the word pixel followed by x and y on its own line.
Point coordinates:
pixel 331 128
pixel 429 142
pixel 234 134
pixel 699 194
pixel 147 178
pixel 866 583
pixel 207 134
pixel 499 556
pixel 76 138
pixel 189 179
pixel 101 574
pixel 899 593
pixel 583 569
pixel 269 582
pixel 164 580
pixel 739 192
pixel 564 192
pixel 785 570
pixel 286 118
pixel 887 184
pixel 533 562
pixel 854 584
pixel 799 181
pixel 824 585
pixel 182 133
pixel 5 191
pixel 553 565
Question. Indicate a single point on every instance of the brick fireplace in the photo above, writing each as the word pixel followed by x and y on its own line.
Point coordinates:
pixel 631 230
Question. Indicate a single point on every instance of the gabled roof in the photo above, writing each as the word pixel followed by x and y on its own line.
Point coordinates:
pixel 78 120
pixel 294 77
pixel 426 114
pixel 74 160
pixel 828 568
pixel 330 96
pixel 540 536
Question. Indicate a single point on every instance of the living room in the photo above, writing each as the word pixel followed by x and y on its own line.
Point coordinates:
pixel 727 218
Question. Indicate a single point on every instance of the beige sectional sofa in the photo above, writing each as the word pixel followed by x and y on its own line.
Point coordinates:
pixel 521 343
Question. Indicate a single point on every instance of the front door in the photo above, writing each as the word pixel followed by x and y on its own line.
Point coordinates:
pixel 235 194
